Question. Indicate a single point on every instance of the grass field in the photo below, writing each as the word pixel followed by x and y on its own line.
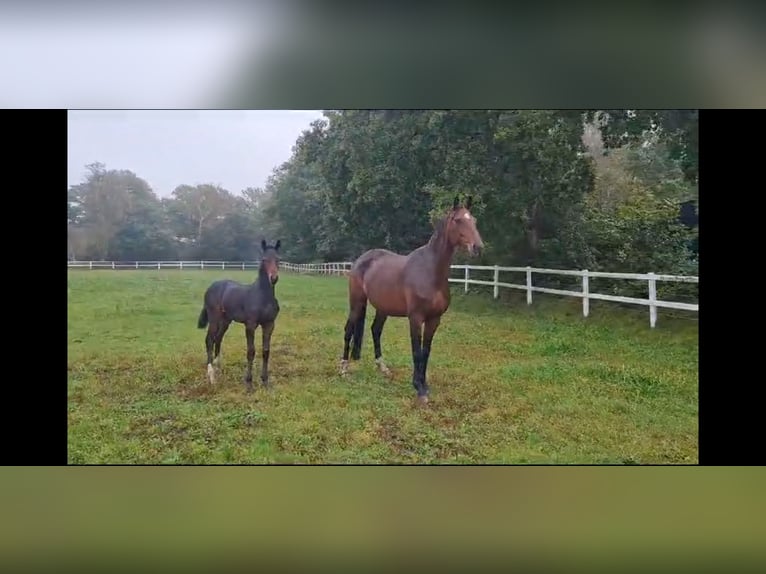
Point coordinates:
pixel 509 383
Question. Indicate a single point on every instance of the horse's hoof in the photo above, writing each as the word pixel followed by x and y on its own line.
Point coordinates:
pixel 343 367
pixel 210 374
pixel 422 400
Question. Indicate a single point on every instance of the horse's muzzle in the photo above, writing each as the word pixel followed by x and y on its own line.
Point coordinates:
pixel 273 279
pixel 474 250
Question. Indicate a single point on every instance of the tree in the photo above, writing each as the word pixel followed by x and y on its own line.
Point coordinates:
pixel 678 129
pixel 193 211
pixel 100 206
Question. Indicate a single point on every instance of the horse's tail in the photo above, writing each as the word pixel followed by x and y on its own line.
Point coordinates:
pixel 202 321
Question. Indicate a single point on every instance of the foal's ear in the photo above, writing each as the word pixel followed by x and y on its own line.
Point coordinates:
pixel 456 202
pixel 468 203
pixel 277 244
pixel 263 244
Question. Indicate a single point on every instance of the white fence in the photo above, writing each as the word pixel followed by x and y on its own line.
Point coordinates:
pixel 242 265
pixel 341 268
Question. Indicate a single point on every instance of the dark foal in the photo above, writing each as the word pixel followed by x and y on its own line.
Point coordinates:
pixel 414 286
pixel 253 305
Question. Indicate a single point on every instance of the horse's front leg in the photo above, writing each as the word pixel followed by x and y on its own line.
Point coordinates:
pixel 250 336
pixel 416 335
pixel 429 330
pixel 266 330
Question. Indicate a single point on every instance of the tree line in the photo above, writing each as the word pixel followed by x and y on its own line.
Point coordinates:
pixel 595 189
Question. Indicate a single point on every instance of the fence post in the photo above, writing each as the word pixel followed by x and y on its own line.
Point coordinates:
pixel 243 266
pixel 202 265
pixel 112 264
pixel 136 264
pixel 181 265
pixel 90 264
pixel 529 285
pixel 223 264
pixel 466 278
pixel 158 265
pixel 585 291
pixel 497 287
pixel 652 300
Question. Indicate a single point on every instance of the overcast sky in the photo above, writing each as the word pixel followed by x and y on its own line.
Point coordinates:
pixel 234 149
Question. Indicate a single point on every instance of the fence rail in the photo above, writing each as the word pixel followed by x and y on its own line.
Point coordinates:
pixel 342 268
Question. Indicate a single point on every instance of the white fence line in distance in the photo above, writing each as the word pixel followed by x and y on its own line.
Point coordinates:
pixel 342 268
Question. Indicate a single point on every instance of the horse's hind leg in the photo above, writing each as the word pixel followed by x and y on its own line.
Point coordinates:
pixel 348 332
pixel 354 324
pixel 224 325
pixel 377 330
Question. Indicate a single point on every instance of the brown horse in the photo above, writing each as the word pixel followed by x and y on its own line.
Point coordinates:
pixel 414 286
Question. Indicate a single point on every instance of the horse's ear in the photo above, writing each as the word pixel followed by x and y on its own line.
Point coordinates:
pixel 468 203
pixel 263 244
pixel 277 244
pixel 456 202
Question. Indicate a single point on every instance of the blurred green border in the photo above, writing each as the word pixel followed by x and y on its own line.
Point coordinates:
pixel 538 516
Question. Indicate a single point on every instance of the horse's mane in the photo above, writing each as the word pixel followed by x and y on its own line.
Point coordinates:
pixel 439 227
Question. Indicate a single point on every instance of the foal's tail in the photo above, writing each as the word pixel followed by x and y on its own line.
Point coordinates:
pixel 202 321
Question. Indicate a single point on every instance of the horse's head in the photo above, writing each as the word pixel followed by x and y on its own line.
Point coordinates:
pixel 270 260
pixel 461 227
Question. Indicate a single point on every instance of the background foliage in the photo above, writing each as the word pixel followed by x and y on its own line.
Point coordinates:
pixel 595 189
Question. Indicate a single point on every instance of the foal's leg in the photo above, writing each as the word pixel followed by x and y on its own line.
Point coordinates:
pixel 219 339
pixel 429 330
pixel 377 329
pixel 209 341
pixel 266 331
pixel 416 326
pixel 250 336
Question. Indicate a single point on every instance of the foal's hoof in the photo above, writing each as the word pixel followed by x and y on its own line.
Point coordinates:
pixel 211 374
pixel 344 367
pixel 382 367
pixel 422 400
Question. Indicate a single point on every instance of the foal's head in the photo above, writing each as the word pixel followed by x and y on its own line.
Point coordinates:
pixel 270 260
pixel 461 227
